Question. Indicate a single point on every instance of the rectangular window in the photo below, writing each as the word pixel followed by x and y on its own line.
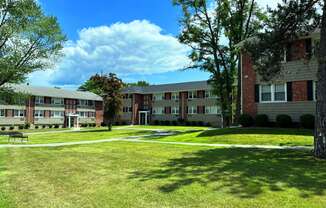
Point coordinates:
pixel 38 114
pixel 82 114
pixel 175 96
pixel 2 113
pixel 210 94
pixel 175 110
pixel 39 100
pixel 91 114
pixel 158 96
pixel 158 110
pixel 314 90
pixel 192 94
pixel 273 93
pixel 83 102
pixel 266 93
pixel 280 92
pixel 19 113
pixel 57 114
pixel 212 109
pixel 192 110
pixel 57 101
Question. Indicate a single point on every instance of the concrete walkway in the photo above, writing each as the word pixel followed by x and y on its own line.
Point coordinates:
pixel 136 139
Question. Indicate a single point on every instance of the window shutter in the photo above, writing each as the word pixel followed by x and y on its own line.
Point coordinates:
pixel 310 92
pixel 308 44
pixel 257 93
pixel 289 91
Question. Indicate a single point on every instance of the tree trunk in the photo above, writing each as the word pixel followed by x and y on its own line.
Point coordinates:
pixel 239 87
pixel 320 131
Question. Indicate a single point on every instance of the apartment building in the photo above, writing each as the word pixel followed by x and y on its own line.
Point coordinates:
pixel 44 106
pixel 292 91
pixel 189 101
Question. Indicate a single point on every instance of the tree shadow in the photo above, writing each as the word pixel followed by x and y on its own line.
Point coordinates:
pixel 245 173
pixel 272 131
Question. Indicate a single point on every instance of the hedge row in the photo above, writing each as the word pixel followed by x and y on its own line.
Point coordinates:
pixel 180 123
pixel 307 121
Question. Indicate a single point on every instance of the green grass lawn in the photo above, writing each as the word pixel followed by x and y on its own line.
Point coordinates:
pixel 122 174
pixel 258 136
pixel 85 135
pixel 176 128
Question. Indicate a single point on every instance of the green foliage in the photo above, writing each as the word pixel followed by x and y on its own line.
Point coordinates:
pixel 138 84
pixel 109 88
pixel 246 120
pixel 29 40
pixel 285 24
pixel 262 120
pixel 307 121
pixel 284 121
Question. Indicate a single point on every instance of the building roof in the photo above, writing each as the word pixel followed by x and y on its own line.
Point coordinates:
pixel 55 92
pixel 175 87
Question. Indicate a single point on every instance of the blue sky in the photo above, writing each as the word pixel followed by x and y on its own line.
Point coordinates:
pixel 135 39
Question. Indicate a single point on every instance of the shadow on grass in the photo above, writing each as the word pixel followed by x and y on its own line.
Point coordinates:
pixel 241 172
pixel 272 131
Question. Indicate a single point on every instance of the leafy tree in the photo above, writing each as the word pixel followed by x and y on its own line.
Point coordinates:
pixel 29 40
pixel 109 88
pixel 138 84
pixel 287 22
pixel 202 32
pixel 241 19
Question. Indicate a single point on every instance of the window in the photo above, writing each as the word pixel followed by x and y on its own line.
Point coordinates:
pixel 39 100
pixel 175 110
pixel 57 114
pixel 192 110
pixel 266 93
pixel 19 113
pixel 209 94
pixel 91 114
pixel 38 114
pixel 83 102
pixel 314 89
pixel 158 111
pixel 175 96
pixel 273 93
pixel 82 114
pixel 192 94
pixel 57 101
pixel 158 96
pixel 279 92
pixel 2 113
pixel 212 109
pixel 127 109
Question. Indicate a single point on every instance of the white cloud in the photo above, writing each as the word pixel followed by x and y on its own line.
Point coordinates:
pixel 138 47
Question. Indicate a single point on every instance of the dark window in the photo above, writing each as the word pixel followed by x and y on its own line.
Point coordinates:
pixel 289 91
pixel 308 44
pixel 310 90
pixel 257 93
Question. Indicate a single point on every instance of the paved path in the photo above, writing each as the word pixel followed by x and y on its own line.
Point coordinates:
pixel 136 139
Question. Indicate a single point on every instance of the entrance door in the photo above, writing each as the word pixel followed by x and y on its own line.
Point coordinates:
pixel 70 121
pixel 142 118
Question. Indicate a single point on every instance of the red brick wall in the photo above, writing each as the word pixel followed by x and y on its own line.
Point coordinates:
pixel 47 100
pixel 136 104
pixel 200 94
pixel 183 104
pixel 248 86
pixel 168 96
pixel 299 90
pixel 30 106
pixel 70 106
pixel 298 50
pixel 167 110
pixel 98 113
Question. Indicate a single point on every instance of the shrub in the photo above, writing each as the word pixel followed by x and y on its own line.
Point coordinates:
pixel 56 126
pixel 3 128
pixel 50 126
pixel 36 127
pixel 11 128
pixel 156 122
pixel 174 123
pixel 21 127
pixel 246 120
pixel 83 125
pixel 27 126
pixel 117 123
pixel 181 121
pixel 194 123
pixel 262 120
pixel 122 123
pixel 200 123
pixel 208 124
pixel 188 123
pixel 167 123
pixel 307 121
pixel 284 121
pixel 44 126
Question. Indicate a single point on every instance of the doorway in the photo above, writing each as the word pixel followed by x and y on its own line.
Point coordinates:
pixel 143 117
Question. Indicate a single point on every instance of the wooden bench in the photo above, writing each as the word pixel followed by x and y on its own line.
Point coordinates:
pixel 17 136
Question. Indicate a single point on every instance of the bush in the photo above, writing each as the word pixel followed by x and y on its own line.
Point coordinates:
pixel 83 125
pixel 262 120
pixel 21 127
pixel 307 121
pixel 246 120
pixel 36 127
pixel 3 128
pixel 156 122
pixel 50 126
pixel 188 123
pixel 200 123
pixel 194 123
pixel 284 121
pixel 181 121
pixel 174 123
pixel 122 123
pixel 11 128
pixel 167 123
pixel 27 126
pixel 56 126
pixel 208 124
pixel 44 126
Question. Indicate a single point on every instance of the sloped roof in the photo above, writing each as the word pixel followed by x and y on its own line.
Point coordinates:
pixel 174 87
pixel 55 92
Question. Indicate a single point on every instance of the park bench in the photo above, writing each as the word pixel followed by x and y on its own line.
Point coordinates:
pixel 15 136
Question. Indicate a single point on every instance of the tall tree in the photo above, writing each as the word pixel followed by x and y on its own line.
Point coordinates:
pixel 241 19
pixel 202 32
pixel 320 133
pixel 286 23
pixel 138 84
pixel 109 88
pixel 29 40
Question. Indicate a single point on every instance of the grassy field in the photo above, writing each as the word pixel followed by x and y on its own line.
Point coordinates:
pixel 258 136
pixel 85 135
pixel 122 174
